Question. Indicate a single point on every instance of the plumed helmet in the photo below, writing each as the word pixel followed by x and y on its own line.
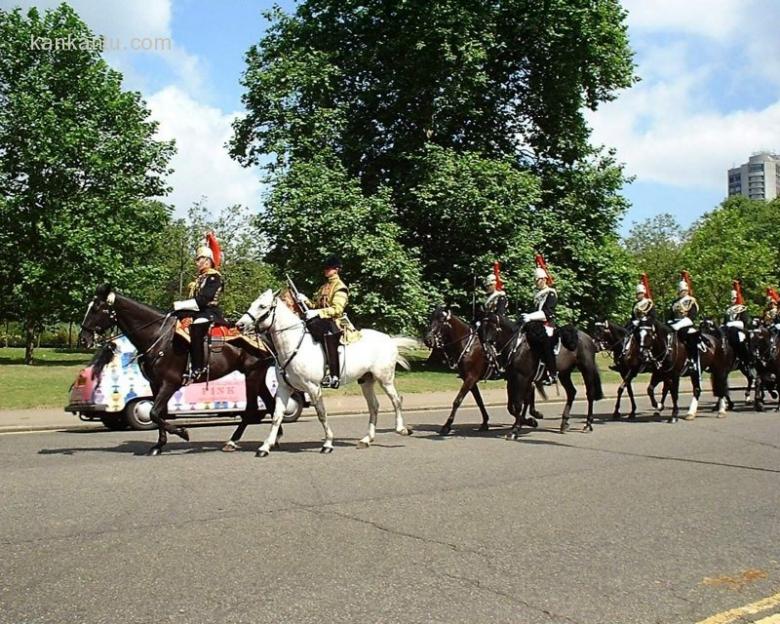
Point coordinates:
pixel 204 251
pixel 640 289
pixel 540 273
pixel 490 279
pixel 683 285
pixel 332 262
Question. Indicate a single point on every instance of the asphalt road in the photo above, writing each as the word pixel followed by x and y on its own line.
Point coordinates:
pixel 636 522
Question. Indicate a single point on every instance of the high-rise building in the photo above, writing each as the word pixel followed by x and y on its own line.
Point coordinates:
pixel 758 178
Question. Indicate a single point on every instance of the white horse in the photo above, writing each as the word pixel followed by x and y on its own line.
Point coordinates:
pixel 301 363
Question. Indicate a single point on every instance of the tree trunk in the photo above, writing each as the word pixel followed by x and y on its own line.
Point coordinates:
pixel 70 335
pixel 29 341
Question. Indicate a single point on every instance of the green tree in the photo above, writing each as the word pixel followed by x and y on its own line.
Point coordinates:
pixel 472 114
pixel 656 247
pixel 737 240
pixel 79 167
pixel 317 209
pixel 377 81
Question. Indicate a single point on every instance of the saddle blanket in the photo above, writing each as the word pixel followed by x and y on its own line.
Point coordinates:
pixel 220 333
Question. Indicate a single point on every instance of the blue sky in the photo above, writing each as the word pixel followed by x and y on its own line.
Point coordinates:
pixel 708 97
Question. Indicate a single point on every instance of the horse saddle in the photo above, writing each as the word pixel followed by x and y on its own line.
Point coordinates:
pixel 219 334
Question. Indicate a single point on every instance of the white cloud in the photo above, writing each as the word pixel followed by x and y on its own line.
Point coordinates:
pixel 676 127
pixel 202 165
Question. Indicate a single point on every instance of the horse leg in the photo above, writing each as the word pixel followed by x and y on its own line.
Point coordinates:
pixel 529 405
pixel 395 399
pixel 447 426
pixel 571 392
pixel 373 410
pixel 481 405
pixel 623 385
pixel 674 387
pixel 284 403
pixel 157 414
pixel 696 382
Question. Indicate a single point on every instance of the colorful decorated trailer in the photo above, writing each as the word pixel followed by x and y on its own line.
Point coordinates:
pixel 120 396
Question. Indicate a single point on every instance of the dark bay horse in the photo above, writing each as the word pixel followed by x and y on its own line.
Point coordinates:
pixel 765 344
pixel 577 352
pixel 463 352
pixel 163 358
pixel 629 361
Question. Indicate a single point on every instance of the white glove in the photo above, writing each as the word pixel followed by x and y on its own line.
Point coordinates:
pixel 310 314
pixel 300 298
pixel 737 324
pixel 186 304
pixel 539 315
pixel 635 322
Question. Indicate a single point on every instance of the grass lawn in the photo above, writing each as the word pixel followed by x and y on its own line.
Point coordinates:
pixel 46 382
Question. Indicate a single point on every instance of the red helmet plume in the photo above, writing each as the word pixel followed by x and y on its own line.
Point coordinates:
pixel 687 279
pixel 736 286
pixel 497 273
pixel 773 294
pixel 216 251
pixel 646 283
pixel 541 264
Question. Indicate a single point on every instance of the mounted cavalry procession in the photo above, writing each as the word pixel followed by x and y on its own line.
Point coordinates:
pixel 311 345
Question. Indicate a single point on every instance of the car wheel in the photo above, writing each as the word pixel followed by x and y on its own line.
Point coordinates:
pixel 114 422
pixel 137 415
pixel 296 413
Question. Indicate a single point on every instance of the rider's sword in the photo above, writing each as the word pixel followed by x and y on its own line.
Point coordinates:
pixel 303 307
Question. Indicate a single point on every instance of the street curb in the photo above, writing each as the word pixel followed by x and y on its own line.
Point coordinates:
pixel 96 426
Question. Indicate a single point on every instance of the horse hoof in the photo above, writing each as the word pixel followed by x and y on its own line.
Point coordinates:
pixel 689 416
pixel 587 429
pixel 361 445
pixel 484 427
pixel 183 434
pixel 564 427
pixel 230 447
pixel 632 416
pixel 537 414
pixel 261 453
pixel 721 414
pixel 406 431
pixel 616 416
pixel 326 449
pixel 154 451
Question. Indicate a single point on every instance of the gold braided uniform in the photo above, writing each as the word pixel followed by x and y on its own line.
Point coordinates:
pixel 330 301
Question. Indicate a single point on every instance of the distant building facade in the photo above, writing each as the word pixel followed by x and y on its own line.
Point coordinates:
pixel 758 178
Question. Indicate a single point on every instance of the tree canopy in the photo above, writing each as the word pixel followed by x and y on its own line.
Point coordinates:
pixel 79 171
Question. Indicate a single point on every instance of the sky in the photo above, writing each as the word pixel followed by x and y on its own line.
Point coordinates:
pixel 708 98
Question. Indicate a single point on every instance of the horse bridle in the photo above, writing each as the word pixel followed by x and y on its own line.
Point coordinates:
pixel 438 344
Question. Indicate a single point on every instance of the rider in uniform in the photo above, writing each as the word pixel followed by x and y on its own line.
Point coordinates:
pixel 684 310
pixel 736 321
pixel 644 306
pixel 496 303
pixel 769 316
pixel 325 317
pixel 540 324
pixel 203 304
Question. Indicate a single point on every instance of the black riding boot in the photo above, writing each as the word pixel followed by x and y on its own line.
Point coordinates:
pixel 331 342
pixel 692 348
pixel 492 357
pixel 550 364
pixel 197 336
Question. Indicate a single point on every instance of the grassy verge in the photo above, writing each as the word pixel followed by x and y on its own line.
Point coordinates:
pixel 46 383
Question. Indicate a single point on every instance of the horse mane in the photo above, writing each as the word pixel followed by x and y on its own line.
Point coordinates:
pixel 287 298
pixel 144 306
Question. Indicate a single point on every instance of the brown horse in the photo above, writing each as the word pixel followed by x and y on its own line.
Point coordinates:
pixel 463 352
pixel 163 358
pixel 765 343
pixel 577 352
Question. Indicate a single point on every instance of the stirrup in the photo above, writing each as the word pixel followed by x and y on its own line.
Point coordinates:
pixel 191 376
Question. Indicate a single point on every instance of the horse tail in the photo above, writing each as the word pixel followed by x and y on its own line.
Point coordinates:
pixel 402 344
pixel 587 359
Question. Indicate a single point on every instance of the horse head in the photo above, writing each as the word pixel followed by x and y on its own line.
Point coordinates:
pixel 603 336
pixel 260 314
pixel 99 317
pixel 440 322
